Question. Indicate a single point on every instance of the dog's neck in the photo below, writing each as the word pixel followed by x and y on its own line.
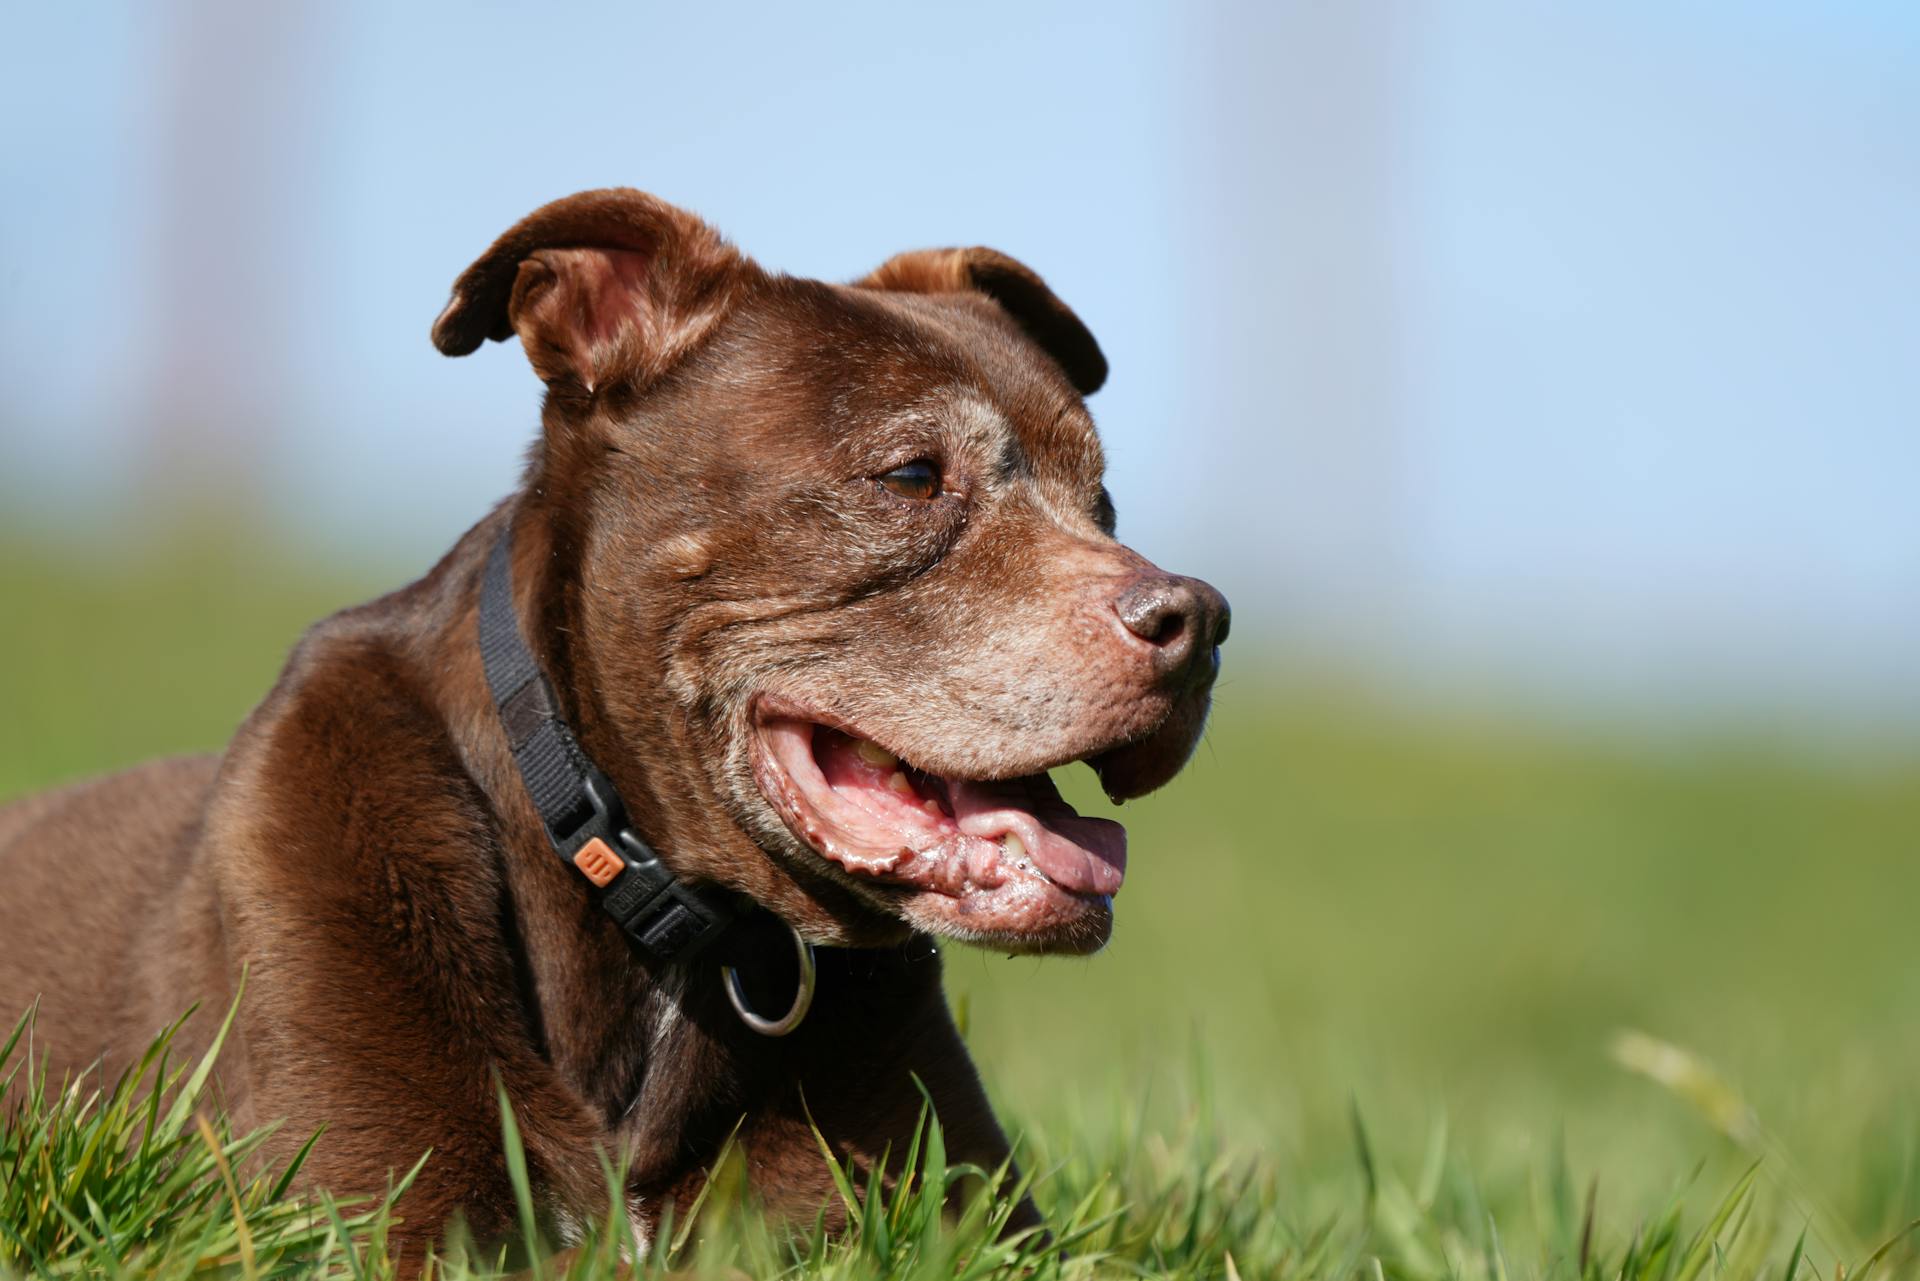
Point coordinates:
pixel 636 1037
pixel 580 808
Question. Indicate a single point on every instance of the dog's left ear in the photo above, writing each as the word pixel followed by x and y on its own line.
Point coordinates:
pixel 602 286
pixel 1019 291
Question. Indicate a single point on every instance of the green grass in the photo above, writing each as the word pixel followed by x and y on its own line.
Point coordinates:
pixel 1395 993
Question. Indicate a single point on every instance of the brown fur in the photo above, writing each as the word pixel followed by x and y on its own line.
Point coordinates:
pixel 698 530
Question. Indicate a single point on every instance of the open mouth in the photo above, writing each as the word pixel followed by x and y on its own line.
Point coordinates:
pixel 1006 862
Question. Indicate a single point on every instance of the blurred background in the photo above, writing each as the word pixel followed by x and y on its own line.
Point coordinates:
pixel 1542 385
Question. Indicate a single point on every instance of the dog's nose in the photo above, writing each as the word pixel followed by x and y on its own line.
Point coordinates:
pixel 1183 620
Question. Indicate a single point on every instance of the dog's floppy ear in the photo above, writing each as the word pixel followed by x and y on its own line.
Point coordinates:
pixel 1019 291
pixel 600 286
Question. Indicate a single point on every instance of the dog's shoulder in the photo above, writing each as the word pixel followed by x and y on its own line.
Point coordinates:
pixel 348 779
pixel 363 891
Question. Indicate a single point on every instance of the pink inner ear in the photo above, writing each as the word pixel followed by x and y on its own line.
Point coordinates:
pixel 613 286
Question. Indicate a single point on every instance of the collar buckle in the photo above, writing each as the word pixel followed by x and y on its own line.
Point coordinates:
pixel 652 907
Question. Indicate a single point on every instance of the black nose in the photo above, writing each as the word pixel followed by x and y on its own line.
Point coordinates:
pixel 1183 619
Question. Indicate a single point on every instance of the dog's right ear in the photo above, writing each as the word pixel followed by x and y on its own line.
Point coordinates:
pixel 1019 291
pixel 602 287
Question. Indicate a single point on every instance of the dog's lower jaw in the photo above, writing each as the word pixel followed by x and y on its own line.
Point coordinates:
pixel 1082 934
pixel 1004 864
pixel 822 905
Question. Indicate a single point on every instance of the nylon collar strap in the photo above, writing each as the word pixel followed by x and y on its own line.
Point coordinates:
pixel 585 821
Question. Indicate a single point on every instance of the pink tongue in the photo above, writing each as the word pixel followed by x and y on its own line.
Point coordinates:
pixel 1084 855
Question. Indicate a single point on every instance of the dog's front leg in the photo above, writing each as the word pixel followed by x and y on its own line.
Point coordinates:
pixel 855 1073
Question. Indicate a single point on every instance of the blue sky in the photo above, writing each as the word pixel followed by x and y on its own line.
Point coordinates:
pixel 1580 345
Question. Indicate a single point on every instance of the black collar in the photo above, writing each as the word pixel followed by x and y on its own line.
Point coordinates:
pixel 585 820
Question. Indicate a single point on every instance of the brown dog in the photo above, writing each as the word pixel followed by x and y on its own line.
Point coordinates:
pixel 818 582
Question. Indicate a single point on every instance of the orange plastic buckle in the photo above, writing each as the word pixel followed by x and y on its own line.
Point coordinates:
pixel 598 863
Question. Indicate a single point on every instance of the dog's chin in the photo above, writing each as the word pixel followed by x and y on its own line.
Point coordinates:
pixel 1003 863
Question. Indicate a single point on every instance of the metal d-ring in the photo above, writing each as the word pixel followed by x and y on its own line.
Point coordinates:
pixel 802 997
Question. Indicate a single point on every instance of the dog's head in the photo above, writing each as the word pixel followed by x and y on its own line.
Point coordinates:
pixel 833 580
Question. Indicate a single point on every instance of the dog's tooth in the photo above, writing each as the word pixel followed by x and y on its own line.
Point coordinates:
pixel 933 807
pixel 898 782
pixel 1013 845
pixel 874 754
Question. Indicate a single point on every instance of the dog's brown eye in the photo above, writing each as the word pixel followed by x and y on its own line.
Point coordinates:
pixel 918 479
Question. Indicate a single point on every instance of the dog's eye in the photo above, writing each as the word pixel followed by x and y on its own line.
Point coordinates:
pixel 917 479
pixel 1103 514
